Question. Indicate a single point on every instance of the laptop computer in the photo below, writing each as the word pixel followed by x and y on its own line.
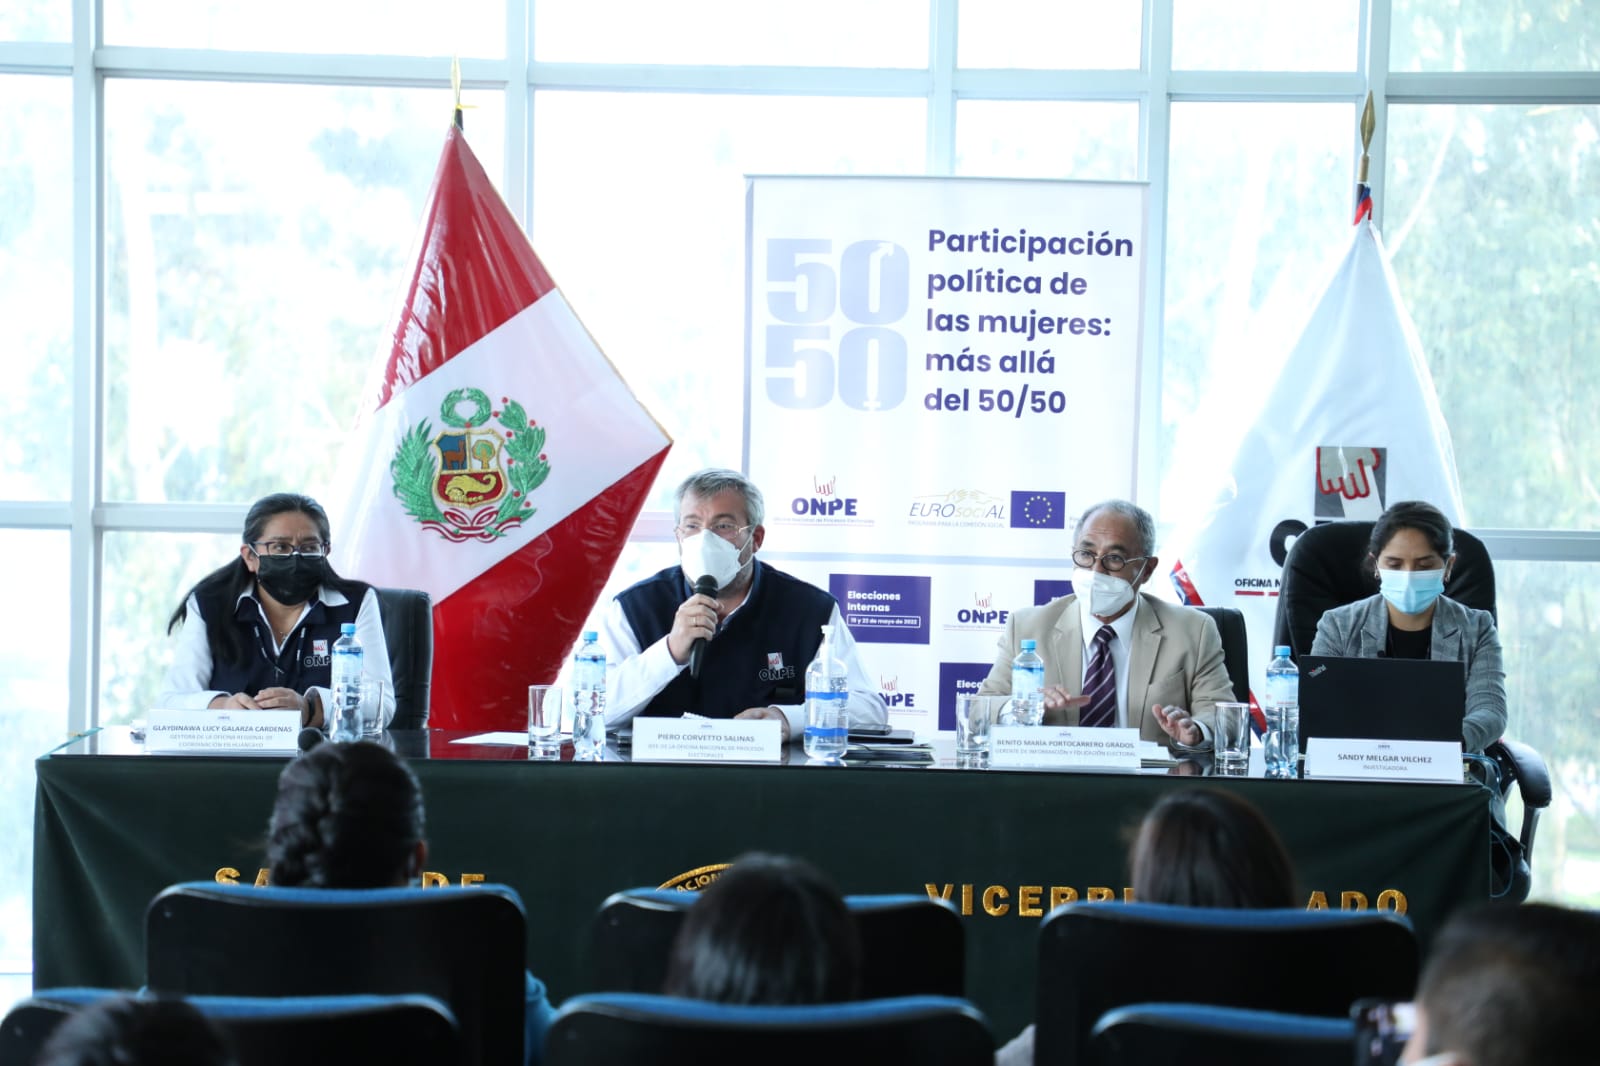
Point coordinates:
pixel 1381 699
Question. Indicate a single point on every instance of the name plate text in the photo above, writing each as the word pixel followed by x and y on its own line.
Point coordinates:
pixel 1383 760
pixel 707 740
pixel 1064 747
pixel 231 729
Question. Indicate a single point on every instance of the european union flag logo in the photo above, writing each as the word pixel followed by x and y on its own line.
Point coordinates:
pixel 1038 510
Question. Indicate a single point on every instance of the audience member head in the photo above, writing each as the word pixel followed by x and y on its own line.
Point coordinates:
pixel 1202 847
pixel 137 1032
pixel 1506 985
pixel 770 930
pixel 347 816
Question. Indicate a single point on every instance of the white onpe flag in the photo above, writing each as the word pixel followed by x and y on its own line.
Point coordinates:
pixel 1351 425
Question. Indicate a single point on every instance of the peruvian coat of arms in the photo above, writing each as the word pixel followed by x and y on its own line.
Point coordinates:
pixel 471 481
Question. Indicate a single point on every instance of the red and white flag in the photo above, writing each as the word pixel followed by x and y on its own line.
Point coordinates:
pixel 504 458
pixel 1351 425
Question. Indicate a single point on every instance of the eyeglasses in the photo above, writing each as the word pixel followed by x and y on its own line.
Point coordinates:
pixel 311 549
pixel 1112 562
pixel 724 529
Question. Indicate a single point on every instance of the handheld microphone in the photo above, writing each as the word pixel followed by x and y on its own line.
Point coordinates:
pixel 705 586
pixel 310 737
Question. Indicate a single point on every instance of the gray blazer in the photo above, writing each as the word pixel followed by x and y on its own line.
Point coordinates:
pixel 1460 634
pixel 1175 659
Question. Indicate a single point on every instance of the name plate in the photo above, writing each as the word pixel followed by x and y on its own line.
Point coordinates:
pixel 1383 760
pixel 225 730
pixel 1064 747
pixel 707 740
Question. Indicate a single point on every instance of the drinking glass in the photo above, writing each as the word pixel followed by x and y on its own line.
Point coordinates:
pixel 544 721
pixel 1231 754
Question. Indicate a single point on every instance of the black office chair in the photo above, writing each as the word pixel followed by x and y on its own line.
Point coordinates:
pixel 910 945
pixel 1177 1034
pixel 306 1030
pixel 408 634
pixel 1095 957
pixel 465 946
pixel 1235 647
pixel 1325 570
pixel 627 1029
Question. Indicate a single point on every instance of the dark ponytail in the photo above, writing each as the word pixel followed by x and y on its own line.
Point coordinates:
pixel 346 816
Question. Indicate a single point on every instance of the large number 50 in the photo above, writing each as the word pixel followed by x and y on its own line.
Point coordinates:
pixel 872 287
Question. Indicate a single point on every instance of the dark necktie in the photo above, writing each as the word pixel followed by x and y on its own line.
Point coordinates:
pixel 1100 683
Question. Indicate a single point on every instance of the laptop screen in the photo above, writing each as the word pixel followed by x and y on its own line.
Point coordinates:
pixel 1381 699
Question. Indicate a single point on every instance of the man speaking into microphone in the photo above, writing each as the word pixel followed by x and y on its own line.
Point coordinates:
pixel 723 634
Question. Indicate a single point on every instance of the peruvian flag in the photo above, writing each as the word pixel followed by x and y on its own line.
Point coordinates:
pixel 504 459
pixel 1351 425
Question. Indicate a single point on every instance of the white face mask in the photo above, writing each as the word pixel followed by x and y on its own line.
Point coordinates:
pixel 1107 593
pixel 706 553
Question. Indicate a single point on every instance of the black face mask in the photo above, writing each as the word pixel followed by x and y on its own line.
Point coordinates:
pixel 290 579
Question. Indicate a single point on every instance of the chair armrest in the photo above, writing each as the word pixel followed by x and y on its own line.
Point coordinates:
pixel 1527 766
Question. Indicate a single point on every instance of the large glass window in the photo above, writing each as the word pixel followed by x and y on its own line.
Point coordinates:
pixel 35 20
pixel 1265 35
pixel 1495 35
pixel 406 27
pixel 257 236
pixel 1049 35
pixel 1493 223
pixel 644 231
pixel 36 447
pixel 1085 139
pixel 843 33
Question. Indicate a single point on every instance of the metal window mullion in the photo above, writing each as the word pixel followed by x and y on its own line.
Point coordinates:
pixel 1375 64
pixel 88 365
pixel 518 128
pixel 1155 120
pixel 941 116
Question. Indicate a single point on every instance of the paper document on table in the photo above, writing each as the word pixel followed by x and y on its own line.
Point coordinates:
pixel 507 739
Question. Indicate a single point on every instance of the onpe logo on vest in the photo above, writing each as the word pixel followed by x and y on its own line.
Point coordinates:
pixel 775 670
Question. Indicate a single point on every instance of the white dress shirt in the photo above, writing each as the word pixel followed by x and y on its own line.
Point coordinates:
pixel 1120 650
pixel 190 672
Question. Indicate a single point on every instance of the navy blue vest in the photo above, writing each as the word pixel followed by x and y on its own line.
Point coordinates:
pixel 305 661
pixel 759 657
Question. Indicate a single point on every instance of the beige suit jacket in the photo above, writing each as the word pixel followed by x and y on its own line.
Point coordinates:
pixel 1175 659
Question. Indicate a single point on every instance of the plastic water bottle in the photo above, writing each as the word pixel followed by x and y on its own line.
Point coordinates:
pixel 827 692
pixel 589 700
pixel 1027 686
pixel 1282 711
pixel 344 717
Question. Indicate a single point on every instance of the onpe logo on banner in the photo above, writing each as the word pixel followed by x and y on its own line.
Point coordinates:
pixel 983 614
pixel 889 688
pixel 826 505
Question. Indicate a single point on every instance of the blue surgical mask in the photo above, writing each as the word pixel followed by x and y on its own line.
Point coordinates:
pixel 1411 591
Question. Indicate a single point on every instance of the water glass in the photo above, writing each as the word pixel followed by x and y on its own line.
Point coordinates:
pixel 974 716
pixel 1231 753
pixel 544 721
pixel 371 706
pixel 1282 746
pixel 827 729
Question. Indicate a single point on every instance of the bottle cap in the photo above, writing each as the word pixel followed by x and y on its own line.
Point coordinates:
pixel 589 634
pixel 348 629
pixel 1029 645
pixel 1281 651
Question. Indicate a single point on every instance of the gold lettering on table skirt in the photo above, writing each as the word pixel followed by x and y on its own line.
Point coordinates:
pixel 1028 901
pixel 992 893
pixel 430 879
pixel 1352 901
pixel 263 877
pixel 1392 899
pixel 935 892
pixel 696 879
pixel 226 876
pixel 471 879
pixel 1060 894
pixel 1098 894
pixel 1317 902
pixel 966 899
pixel 1127 894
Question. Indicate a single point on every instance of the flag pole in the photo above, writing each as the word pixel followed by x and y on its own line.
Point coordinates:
pixel 1369 124
pixel 461 122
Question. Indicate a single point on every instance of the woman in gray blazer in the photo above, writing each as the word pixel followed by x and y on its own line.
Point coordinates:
pixel 1411 618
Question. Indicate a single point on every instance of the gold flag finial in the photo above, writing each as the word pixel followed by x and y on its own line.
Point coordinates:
pixel 1369 124
pixel 455 85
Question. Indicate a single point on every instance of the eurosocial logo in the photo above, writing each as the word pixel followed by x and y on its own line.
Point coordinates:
pixel 958 507
pixel 826 504
pixel 1038 510
pixel 889 688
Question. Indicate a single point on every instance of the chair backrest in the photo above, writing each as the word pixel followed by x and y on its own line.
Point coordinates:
pixel 306 1030
pixel 1235 647
pixel 910 945
pixel 1325 569
pixel 1175 1034
pixel 465 946
pixel 645 1030
pixel 408 633
pixel 1094 957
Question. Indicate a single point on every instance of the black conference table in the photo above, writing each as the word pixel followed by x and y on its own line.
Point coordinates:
pixel 114 825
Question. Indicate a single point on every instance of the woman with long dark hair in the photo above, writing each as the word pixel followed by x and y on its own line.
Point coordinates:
pixel 257 633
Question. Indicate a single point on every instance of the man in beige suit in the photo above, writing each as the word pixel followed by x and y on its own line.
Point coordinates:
pixel 1114 655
